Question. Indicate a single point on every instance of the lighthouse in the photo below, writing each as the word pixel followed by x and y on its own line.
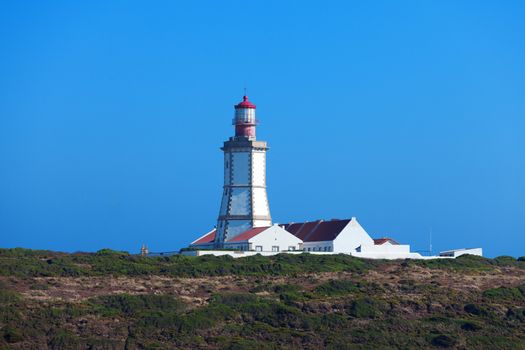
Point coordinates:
pixel 244 203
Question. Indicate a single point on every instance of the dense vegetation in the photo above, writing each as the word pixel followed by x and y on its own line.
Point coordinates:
pixel 284 301
pixel 32 263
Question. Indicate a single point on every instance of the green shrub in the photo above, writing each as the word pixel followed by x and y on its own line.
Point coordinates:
pixel 516 314
pixel 284 288
pixel 271 312
pixel 12 335
pixel 152 320
pixel 333 322
pixel 233 299
pixel 363 308
pixel 133 305
pixel 337 287
pixel 505 260
pixel 64 340
pixel 462 263
pixel 246 344
pixel 505 293
pixel 475 310
pixel 8 297
pixel 110 252
pixel 204 318
pixel 470 326
pixel 494 341
pixel 444 341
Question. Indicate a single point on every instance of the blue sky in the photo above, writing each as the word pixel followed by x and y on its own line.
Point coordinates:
pixel 409 115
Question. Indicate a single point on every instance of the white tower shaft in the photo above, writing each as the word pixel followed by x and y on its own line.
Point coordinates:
pixel 244 201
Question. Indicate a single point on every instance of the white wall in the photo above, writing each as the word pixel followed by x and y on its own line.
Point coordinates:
pixel 262 223
pixel 352 236
pixel 392 256
pixel 458 252
pixel 275 236
pixel 260 202
pixel 259 168
pixel 386 248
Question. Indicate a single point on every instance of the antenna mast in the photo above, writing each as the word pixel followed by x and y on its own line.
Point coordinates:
pixel 430 240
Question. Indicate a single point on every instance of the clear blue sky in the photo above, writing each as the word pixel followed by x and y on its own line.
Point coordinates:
pixel 409 115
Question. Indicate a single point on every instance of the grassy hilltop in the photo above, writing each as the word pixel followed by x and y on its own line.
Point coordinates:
pixel 113 300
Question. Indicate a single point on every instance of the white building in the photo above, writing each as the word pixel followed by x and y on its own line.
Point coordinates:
pixel 317 237
pixel 338 236
pixel 258 239
pixel 454 253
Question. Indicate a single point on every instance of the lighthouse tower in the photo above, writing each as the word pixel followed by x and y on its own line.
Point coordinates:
pixel 244 201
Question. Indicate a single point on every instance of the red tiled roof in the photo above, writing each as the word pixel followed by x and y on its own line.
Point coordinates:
pixel 316 231
pixel 207 238
pixel 379 241
pixel 246 235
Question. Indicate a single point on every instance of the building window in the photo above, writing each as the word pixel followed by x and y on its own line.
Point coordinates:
pixel 308 249
pixel 291 248
pixel 275 248
pixel 325 249
pixel 258 248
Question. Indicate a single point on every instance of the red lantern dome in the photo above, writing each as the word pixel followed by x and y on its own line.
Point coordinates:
pixel 244 119
pixel 245 103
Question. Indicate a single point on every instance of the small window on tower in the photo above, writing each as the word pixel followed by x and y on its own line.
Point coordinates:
pixel 227 164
